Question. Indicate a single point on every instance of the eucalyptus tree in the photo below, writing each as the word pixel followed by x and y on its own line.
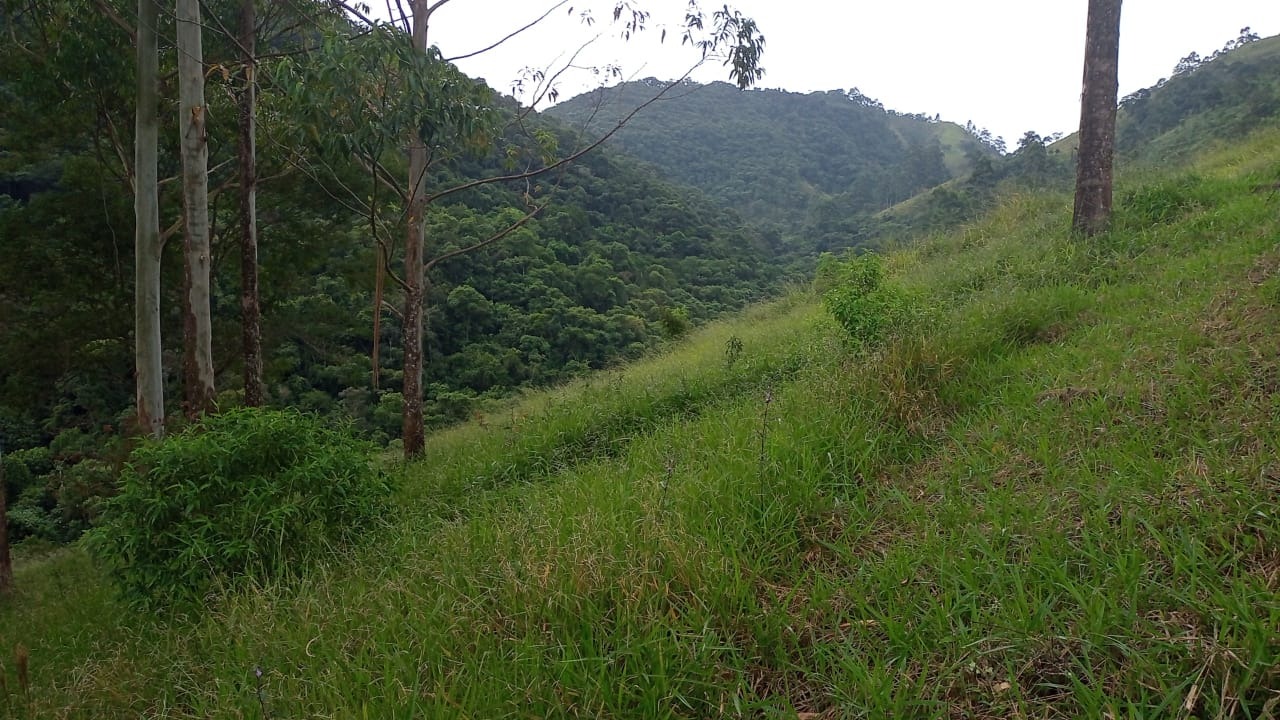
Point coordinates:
pixel 6 559
pixel 77 78
pixel 250 305
pixel 385 88
pixel 148 244
pixel 197 361
pixel 1095 158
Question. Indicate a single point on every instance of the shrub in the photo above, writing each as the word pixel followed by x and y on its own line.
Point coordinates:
pixel 250 494
pixel 79 491
pixel 17 476
pixel 869 309
pixel 31 515
pixel 675 321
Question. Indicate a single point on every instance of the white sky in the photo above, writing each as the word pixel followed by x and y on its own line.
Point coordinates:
pixel 1009 65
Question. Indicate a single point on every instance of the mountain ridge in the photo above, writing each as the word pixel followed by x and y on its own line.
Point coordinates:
pixel 776 155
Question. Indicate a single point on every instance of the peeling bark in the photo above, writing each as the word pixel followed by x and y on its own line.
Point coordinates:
pixel 198 371
pixel 250 307
pixel 415 236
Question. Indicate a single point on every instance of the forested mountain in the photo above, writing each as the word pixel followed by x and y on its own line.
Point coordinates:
pixel 835 169
pixel 611 260
pixel 782 157
pixel 1208 100
pixel 1222 96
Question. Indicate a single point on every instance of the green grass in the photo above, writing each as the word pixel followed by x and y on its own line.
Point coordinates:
pixel 1058 499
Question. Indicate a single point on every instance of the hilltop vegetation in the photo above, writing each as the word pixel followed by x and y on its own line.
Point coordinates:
pixel 887 175
pixel 1206 103
pixel 1210 99
pixel 788 159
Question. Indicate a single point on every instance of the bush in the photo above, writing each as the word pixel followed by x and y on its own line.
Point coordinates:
pixel 79 491
pixel 869 309
pixel 250 494
pixel 675 321
pixel 17 477
pixel 32 515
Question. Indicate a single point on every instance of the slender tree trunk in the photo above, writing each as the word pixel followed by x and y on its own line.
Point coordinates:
pixel 415 236
pixel 6 560
pixel 379 291
pixel 147 247
pixel 250 309
pixel 198 346
pixel 1098 118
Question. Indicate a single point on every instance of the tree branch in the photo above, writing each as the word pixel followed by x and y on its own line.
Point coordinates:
pixel 570 158
pixel 393 310
pixel 542 17
pixel 486 242
pixel 114 17
pixel 432 8
pixel 380 174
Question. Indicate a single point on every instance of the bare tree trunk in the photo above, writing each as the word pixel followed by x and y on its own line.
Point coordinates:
pixel 1098 118
pixel 6 559
pixel 379 291
pixel 250 309
pixel 147 246
pixel 414 432
pixel 198 346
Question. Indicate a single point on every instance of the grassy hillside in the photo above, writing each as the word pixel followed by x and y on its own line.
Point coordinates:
pixel 1054 498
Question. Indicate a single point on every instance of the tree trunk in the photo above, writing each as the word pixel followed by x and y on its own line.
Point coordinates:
pixel 198 345
pixel 250 309
pixel 1098 118
pixel 6 560
pixel 414 432
pixel 147 247
pixel 379 292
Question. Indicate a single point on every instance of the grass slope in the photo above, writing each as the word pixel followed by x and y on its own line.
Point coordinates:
pixel 1056 500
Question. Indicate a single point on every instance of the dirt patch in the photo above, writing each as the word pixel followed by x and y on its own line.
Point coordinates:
pixel 1266 267
pixel 1066 395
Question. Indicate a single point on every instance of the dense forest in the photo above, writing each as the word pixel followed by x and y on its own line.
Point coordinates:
pixel 803 163
pixel 614 261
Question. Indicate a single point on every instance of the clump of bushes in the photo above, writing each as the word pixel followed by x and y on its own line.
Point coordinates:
pixel 870 310
pixel 249 494
pixel 54 493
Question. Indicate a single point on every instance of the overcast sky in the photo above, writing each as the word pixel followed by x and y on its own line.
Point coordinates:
pixel 1008 65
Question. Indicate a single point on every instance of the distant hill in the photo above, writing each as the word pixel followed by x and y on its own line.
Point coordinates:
pixel 779 156
pixel 1220 97
pixel 1207 102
